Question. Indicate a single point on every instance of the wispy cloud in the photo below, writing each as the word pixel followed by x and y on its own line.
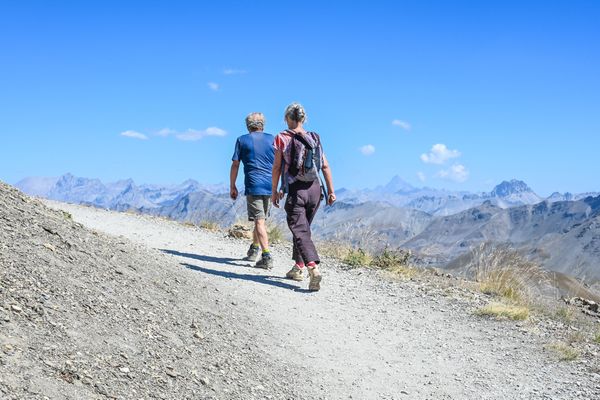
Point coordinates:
pixel 196 134
pixel 439 154
pixel 233 71
pixel 134 135
pixel 421 176
pixel 456 173
pixel 166 132
pixel 367 149
pixel 213 86
pixel 402 124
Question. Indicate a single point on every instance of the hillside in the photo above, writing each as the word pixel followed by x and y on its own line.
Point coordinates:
pixel 563 236
pixel 88 316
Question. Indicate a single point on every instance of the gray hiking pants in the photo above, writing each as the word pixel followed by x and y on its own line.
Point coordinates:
pixel 301 205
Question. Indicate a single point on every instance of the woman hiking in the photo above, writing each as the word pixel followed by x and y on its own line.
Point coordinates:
pixel 299 157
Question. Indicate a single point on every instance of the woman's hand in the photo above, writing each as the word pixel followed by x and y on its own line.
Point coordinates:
pixel 331 199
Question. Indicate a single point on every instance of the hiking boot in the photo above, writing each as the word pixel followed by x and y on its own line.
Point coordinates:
pixel 296 273
pixel 253 253
pixel 315 279
pixel 265 262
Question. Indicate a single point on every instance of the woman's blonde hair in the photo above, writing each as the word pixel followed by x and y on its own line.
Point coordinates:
pixel 295 112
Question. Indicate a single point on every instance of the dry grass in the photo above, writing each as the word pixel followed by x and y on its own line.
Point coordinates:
pixel 358 258
pixel 210 225
pixel 334 249
pixel 565 314
pixel 504 311
pixel 503 272
pixel 275 234
pixel 597 337
pixel 395 262
pixel 564 351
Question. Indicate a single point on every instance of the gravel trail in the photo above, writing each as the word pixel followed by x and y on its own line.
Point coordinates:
pixel 363 336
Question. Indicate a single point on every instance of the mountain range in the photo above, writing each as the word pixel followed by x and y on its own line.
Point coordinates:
pixel 561 231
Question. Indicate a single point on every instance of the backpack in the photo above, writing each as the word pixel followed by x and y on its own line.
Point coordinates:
pixel 305 157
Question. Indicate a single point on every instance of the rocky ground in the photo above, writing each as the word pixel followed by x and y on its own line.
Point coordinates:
pixel 98 304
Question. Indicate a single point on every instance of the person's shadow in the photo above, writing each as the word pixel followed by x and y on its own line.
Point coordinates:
pixel 271 280
pixel 199 257
pixel 264 279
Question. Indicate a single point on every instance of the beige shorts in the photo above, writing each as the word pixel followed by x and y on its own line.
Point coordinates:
pixel 258 207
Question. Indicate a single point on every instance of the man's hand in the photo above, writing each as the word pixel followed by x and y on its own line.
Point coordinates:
pixel 275 197
pixel 233 193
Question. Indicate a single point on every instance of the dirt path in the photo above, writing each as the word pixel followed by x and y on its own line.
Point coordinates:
pixel 362 336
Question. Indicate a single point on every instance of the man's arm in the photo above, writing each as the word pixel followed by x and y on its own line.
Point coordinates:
pixel 235 166
pixel 328 181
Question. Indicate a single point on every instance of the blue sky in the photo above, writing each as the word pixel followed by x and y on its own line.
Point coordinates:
pixel 457 95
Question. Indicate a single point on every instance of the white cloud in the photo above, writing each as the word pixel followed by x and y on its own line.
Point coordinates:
pixel 166 132
pixel 213 86
pixel 402 124
pixel 232 71
pixel 439 154
pixel 367 149
pixel 456 173
pixel 134 135
pixel 195 134
pixel 421 176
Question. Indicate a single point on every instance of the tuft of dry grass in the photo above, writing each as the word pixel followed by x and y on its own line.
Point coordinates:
pixel 334 249
pixel 503 272
pixel 188 224
pixel 597 337
pixel 395 262
pixel 564 351
pixel 504 311
pixel 210 225
pixel 565 314
pixel 358 258
pixel 275 234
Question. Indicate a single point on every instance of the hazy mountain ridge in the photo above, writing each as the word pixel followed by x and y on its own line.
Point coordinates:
pixel 562 231
pixel 442 202
pixel 563 236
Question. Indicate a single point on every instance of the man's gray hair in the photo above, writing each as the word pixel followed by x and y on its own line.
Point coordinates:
pixel 255 122
pixel 295 112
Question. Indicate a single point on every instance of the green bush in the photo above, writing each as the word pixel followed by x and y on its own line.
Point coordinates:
pixel 358 258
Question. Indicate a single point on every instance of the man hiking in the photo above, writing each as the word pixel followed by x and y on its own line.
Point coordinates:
pixel 255 150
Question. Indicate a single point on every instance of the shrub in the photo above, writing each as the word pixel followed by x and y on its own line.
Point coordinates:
pixel 597 337
pixel 501 310
pixel 358 258
pixel 395 261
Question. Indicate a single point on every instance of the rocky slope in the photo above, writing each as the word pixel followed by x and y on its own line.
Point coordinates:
pixel 88 316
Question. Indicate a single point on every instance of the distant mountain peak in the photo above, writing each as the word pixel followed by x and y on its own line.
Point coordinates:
pixel 507 188
pixel 397 184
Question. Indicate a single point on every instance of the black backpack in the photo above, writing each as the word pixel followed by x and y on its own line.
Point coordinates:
pixel 305 157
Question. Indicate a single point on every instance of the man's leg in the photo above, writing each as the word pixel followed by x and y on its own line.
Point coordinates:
pixel 260 228
pixel 254 250
pixel 260 233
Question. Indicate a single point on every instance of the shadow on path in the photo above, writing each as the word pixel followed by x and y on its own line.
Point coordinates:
pixel 199 257
pixel 271 280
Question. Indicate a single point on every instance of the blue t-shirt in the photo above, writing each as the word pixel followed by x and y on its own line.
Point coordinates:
pixel 255 150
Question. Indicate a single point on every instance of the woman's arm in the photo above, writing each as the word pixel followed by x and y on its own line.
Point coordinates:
pixel 328 181
pixel 275 178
